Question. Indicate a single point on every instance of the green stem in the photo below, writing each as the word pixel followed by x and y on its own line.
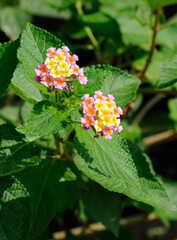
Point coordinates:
pixel 78 5
pixel 153 45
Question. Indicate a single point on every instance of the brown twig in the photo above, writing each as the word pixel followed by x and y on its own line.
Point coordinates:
pixel 98 227
pixel 155 29
pixel 160 137
pixel 147 107
pixel 54 156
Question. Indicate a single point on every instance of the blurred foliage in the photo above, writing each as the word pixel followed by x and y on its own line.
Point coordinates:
pixel 119 33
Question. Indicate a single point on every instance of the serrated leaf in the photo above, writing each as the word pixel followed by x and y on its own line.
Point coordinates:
pixel 13 20
pixel 8 62
pixel 45 119
pixel 95 75
pixel 49 193
pixel 14 209
pixel 121 85
pixel 109 80
pixel 32 52
pixel 119 166
pixel 24 88
pixel 16 152
pixel 168 75
pixel 165 215
pixel 171 189
pixel 98 200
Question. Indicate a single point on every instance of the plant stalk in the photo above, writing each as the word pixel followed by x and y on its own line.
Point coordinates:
pixel 155 29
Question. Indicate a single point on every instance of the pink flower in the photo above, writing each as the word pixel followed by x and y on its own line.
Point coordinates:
pixel 83 80
pixel 118 128
pixel 110 98
pixel 81 72
pixel 120 110
pixel 86 96
pixel 107 132
pixel 72 59
pixel 76 58
pixel 75 69
pixel 59 83
pixel 51 52
pixel 47 80
pixel 98 95
pixel 41 70
pixel 65 48
pixel 89 111
pixel 87 121
pixel 88 101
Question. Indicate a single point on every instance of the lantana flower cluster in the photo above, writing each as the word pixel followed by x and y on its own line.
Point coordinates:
pixel 59 67
pixel 101 113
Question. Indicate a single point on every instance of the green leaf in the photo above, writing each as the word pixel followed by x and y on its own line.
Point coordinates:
pixel 16 152
pixel 165 215
pixel 119 166
pixel 98 200
pixel 109 80
pixel 10 114
pixel 133 31
pixel 171 189
pixel 45 119
pixel 25 110
pixel 153 71
pixel 171 32
pixel 172 105
pixel 95 75
pixel 14 209
pixel 154 4
pixel 13 20
pixel 32 52
pixel 49 193
pixel 168 75
pixel 121 85
pixel 8 62
pixel 48 8
pixel 24 88
pixel 102 24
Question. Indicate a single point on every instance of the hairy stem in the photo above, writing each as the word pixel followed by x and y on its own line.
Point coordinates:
pixel 153 44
